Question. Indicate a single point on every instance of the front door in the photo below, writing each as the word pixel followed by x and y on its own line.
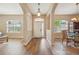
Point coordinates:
pixel 38 28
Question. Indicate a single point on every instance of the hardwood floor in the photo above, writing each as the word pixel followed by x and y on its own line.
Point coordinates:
pixel 36 47
pixel 59 48
pixel 32 47
pixel 13 47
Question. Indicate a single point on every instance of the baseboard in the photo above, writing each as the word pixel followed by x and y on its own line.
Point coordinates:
pixel 38 37
pixel 15 38
pixel 25 44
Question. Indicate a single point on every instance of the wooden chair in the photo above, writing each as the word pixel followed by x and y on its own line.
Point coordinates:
pixel 64 35
pixel 76 41
pixel 70 38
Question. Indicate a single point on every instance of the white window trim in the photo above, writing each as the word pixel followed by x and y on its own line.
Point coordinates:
pixel 12 31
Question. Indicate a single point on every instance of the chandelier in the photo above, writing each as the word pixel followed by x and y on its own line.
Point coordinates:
pixel 77 17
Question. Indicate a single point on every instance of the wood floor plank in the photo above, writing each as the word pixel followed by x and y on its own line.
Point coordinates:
pixel 36 47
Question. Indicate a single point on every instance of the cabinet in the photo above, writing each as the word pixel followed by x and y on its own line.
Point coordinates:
pixel 76 27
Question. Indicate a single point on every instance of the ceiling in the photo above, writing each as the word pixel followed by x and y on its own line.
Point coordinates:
pixel 10 8
pixel 44 7
pixel 66 8
pixel 62 8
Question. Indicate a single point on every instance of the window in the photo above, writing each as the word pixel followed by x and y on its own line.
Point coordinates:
pixel 13 26
pixel 60 25
pixel 64 25
pixel 71 27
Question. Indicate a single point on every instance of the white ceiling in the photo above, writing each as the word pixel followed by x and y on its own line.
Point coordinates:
pixel 10 8
pixel 14 8
pixel 44 7
pixel 66 8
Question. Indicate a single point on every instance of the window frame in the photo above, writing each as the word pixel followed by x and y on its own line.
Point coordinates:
pixel 7 23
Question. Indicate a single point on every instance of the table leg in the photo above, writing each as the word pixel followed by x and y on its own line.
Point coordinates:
pixel 7 39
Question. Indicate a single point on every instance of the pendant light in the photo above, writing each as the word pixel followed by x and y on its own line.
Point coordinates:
pixel 38 13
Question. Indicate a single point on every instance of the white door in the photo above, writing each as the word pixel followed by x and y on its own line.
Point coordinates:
pixel 39 29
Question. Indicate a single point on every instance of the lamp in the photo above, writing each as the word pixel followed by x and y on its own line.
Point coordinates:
pixel 38 13
pixel 76 18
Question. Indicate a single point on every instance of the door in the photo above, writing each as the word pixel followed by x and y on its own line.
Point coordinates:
pixel 38 28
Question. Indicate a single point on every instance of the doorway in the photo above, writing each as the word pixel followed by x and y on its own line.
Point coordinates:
pixel 38 28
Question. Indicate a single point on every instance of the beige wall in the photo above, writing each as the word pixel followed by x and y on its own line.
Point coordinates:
pixel 65 17
pixel 48 22
pixel 3 20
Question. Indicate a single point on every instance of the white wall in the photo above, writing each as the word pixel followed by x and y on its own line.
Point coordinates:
pixel 48 36
pixel 27 28
pixel 48 30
